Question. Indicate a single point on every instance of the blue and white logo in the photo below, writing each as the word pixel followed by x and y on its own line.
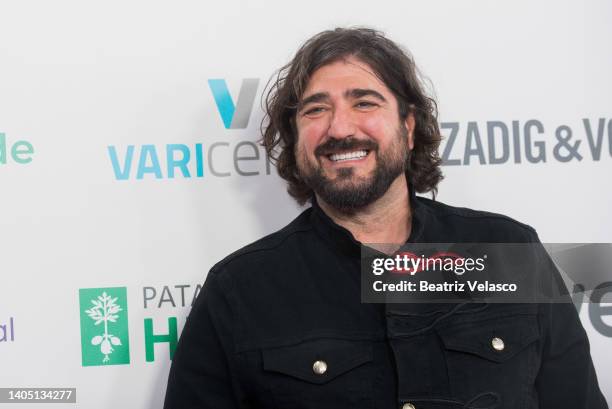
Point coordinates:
pixel 234 116
pixel 217 158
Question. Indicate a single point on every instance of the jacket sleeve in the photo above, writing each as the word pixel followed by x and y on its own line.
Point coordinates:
pixel 566 378
pixel 201 372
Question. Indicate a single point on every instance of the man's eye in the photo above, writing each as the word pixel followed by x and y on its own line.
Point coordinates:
pixel 314 111
pixel 365 104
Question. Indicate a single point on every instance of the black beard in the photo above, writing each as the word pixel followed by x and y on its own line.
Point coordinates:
pixel 361 193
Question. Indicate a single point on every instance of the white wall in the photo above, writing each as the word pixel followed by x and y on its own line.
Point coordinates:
pixel 77 77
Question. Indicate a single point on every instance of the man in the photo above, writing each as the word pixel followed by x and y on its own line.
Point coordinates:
pixel 280 323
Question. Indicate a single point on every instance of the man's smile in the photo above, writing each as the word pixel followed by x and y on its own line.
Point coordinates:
pixel 347 156
pixel 335 152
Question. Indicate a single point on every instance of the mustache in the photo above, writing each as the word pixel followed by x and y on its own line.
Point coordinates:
pixel 335 145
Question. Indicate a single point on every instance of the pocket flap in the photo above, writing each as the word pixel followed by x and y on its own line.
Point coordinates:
pixel 335 356
pixel 495 340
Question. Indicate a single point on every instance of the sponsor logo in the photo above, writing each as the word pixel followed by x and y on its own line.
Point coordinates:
pixel 234 116
pixel 218 158
pixel 104 326
pixel 104 322
pixel 7 330
pixel 531 141
pixel 164 297
pixel 19 152
pixel 179 295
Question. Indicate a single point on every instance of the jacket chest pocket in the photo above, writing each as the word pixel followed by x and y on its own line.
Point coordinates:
pixel 322 373
pixel 497 356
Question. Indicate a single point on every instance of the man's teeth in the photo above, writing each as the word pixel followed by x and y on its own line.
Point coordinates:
pixel 347 156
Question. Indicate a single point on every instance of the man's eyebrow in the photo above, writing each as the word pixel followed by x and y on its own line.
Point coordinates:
pixel 363 92
pixel 318 97
pixel 353 93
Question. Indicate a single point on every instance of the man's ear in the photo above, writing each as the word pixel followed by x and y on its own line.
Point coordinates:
pixel 410 125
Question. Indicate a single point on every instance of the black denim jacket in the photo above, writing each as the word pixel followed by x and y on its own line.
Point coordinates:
pixel 269 311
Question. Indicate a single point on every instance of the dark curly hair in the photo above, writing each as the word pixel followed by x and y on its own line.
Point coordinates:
pixel 397 70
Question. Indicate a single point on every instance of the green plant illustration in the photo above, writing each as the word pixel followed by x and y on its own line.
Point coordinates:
pixel 104 310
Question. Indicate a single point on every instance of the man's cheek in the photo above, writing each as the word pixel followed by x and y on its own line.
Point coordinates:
pixel 375 126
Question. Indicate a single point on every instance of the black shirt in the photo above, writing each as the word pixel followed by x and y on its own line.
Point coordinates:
pixel 280 324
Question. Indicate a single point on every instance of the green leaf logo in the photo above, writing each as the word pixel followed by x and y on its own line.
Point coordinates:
pixel 104 326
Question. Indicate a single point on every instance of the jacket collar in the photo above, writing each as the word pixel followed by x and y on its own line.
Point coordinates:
pixel 343 240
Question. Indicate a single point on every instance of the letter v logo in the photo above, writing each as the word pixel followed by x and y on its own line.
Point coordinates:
pixel 234 116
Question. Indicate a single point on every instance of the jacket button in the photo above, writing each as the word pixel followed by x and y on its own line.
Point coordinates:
pixel 408 405
pixel 498 344
pixel 319 367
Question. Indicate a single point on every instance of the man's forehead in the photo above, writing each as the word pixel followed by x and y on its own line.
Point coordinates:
pixel 343 76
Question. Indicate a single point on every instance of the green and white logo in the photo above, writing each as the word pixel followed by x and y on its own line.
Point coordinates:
pixel 104 326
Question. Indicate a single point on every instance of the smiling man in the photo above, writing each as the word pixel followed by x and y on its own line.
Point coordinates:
pixel 280 323
pixel 353 145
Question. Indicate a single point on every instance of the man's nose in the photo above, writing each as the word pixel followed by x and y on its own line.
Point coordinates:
pixel 342 123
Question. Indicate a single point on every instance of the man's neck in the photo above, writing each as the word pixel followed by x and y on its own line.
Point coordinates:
pixel 388 220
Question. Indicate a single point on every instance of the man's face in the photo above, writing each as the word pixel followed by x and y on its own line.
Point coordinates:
pixel 351 143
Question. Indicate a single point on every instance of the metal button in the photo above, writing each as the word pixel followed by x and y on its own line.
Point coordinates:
pixel 319 367
pixel 408 405
pixel 498 344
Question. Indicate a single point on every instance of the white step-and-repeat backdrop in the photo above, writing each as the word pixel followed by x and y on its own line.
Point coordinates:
pixel 122 181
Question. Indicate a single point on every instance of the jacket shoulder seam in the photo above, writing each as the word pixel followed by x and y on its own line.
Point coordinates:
pixel 267 243
pixel 446 210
